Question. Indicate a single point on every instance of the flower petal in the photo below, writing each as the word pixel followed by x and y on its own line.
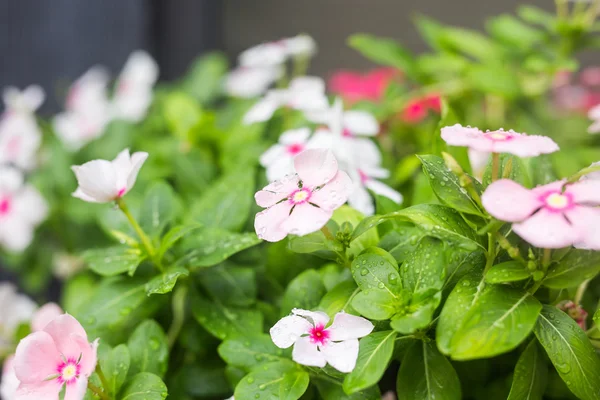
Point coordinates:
pixel 36 358
pixel 384 190
pixel 305 219
pixel 137 160
pixel 288 329
pixel 263 110
pixel 268 222
pixel 61 328
pixel 307 353
pixel 38 391
pixel 585 192
pixel 44 315
pixel 280 168
pixel 294 136
pixel 361 200
pixel 509 201
pixel 334 194
pixel 361 123
pixel 586 221
pixel 15 234
pixel 76 391
pixel 89 354
pixel 318 317
pixel 97 179
pixel 472 138
pixel 526 146
pixel 547 229
pixel 341 355
pixel 272 154
pixel 315 167
pixel 346 326
pixel 31 206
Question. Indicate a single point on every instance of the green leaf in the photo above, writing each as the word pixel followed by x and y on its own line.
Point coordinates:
pixel 250 351
pixel 182 113
pixel 426 374
pixel 379 304
pixel 173 236
pixel 158 209
pixel 402 242
pixel 264 381
pixel 149 349
pixel 384 51
pixel 330 389
pixel 510 30
pixel 498 80
pixel 424 272
pixel 535 15
pixel 430 30
pixel 499 320
pixel 114 260
pixel 434 220
pixel 310 243
pixel 339 298
pixel 510 271
pixel 575 268
pixel 226 203
pixel 305 292
pixel 116 367
pixel 417 315
pixel 374 354
pixel 165 282
pixel 145 386
pixel 226 322
pixel 194 171
pixel 210 246
pixel 447 187
pixel 204 78
pixel 570 351
pixel 293 385
pixel 347 214
pixel 531 373
pixel 461 299
pixel 231 285
pixel 376 269
pixel 471 43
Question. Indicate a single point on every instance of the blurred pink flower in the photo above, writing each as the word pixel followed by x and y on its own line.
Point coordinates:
pixel 501 141
pixel 315 344
pixel 353 86
pixel 548 216
pixel 574 311
pixel 417 110
pixel 44 315
pixel 590 76
pixel 302 203
pixel 9 382
pixel 59 355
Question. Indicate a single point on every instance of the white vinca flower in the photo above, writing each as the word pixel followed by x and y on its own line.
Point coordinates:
pixel 26 101
pixel 102 181
pixel 16 310
pixel 316 344
pixel 366 179
pixel 133 94
pixel 278 52
pixel 22 208
pixel 248 82
pixel 305 93
pixel 300 46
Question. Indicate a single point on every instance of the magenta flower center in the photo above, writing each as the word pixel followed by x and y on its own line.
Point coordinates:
pixel 5 205
pixel 347 133
pixel 319 335
pixel 557 201
pixel 300 196
pixel 68 372
pixel 13 146
pixel 121 192
pixel 363 177
pixel 295 149
pixel 499 136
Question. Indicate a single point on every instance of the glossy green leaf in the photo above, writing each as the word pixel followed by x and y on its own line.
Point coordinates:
pixel 498 321
pixel 113 260
pixel 144 386
pixel 265 380
pixel 531 372
pixel 573 269
pixel 510 271
pixel 384 51
pixel 293 385
pixel 370 238
pixel 426 374
pixel 181 113
pixel 514 32
pixel 204 78
pixel 471 43
pixel 374 354
pixel 402 242
pixel 424 272
pixel 304 292
pixel 158 209
pixel 165 282
pixel 330 389
pixel 339 298
pixel 570 351
pixel 379 304
pixel 174 235
pixel 375 268
pixel 149 349
pixel 116 367
pixel 447 186
pixel 226 322
pixel 417 315
pixel 231 285
pixel 226 203
pixel 250 351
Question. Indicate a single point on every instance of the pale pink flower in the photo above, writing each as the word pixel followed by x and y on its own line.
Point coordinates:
pixel 478 161
pixel 22 209
pixel 44 315
pixel 16 309
pixel 501 141
pixel 102 181
pixel 248 82
pixel 59 355
pixel 549 216
pixel 133 94
pixel 9 382
pixel 20 139
pixel 316 344
pixel 590 76
pixel 366 179
pixel 302 203
pixel 26 101
pixel 593 175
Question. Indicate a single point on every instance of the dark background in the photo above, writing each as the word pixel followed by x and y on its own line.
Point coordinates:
pixel 52 42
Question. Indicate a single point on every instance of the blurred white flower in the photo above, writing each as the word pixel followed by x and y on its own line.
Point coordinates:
pixel 365 179
pixel 16 309
pixel 277 52
pixel 102 181
pixel 22 208
pixel 300 45
pixel 26 101
pixel 248 82
pixel 478 161
pixel 65 265
pixel 20 139
pixel 133 94
pixel 9 381
pixel 304 93
pixel 86 110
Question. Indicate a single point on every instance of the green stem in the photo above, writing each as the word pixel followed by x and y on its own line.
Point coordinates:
pixel 491 253
pixel 512 251
pixel 581 291
pixel 327 233
pixel 495 166
pixel 141 234
pixel 301 64
pixel 583 172
pixel 102 377
pixel 179 302
pixel 547 259
pixel 97 391
pixel 535 287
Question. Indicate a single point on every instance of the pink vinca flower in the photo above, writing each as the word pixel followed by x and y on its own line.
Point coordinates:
pixel 302 203
pixel 501 141
pixel 9 382
pixel 22 209
pixel 20 311
pixel 44 315
pixel 20 139
pixel 366 179
pixel 316 344
pixel 59 355
pixel 548 216
pixel 355 87
pixel 102 181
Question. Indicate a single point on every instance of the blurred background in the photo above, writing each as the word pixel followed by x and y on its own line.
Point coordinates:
pixel 53 42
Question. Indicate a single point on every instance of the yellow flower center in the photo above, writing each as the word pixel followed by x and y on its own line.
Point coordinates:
pixel 557 200
pixel 69 372
pixel 498 136
pixel 300 196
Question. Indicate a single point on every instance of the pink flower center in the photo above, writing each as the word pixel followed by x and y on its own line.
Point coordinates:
pixel 499 136
pixel 347 133
pixel 13 146
pixel 300 196
pixel 557 201
pixel 319 335
pixel 363 177
pixel 5 205
pixel 68 372
pixel 121 192
pixel 294 149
